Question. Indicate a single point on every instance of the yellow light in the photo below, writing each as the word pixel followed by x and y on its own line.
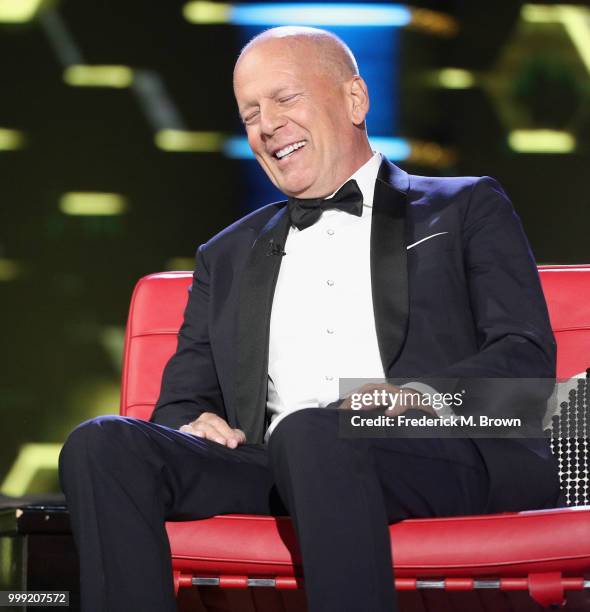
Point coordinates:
pixel 577 23
pixel 98 76
pixel 539 13
pixel 207 12
pixel 180 264
pixel 575 20
pixel 9 269
pixel 434 22
pixel 31 459
pixel 431 154
pixel 541 141
pixel 455 78
pixel 92 204
pixel 19 11
pixel 11 139
pixel 183 141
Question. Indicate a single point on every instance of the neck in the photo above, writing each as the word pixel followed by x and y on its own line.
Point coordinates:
pixel 359 159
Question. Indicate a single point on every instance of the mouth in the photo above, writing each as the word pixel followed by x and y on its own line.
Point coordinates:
pixel 287 152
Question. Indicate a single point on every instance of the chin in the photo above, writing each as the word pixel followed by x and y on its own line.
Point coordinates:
pixel 300 188
pixel 294 190
pixel 293 184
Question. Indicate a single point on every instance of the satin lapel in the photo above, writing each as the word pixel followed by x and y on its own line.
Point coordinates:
pixel 254 309
pixel 389 273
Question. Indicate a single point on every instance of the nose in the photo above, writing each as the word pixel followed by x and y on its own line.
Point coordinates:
pixel 271 119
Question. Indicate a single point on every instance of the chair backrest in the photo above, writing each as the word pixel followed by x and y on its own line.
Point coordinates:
pixel 158 303
pixel 567 291
pixel 155 315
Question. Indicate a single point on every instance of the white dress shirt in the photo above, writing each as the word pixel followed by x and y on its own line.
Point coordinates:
pixel 322 325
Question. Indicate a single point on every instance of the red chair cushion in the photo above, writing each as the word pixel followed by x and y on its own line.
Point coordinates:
pixel 498 545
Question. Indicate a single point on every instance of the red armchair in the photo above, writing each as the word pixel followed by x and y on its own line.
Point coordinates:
pixel 546 553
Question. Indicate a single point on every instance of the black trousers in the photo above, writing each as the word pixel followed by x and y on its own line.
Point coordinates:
pixel 124 477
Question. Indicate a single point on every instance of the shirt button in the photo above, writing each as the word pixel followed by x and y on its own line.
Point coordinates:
pixel 330 330
pixel 329 377
pixel 330 283
pixel 330 232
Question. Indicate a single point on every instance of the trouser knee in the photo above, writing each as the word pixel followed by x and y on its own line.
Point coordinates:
pixel 89 438
pixel 310 439
pixel 104 440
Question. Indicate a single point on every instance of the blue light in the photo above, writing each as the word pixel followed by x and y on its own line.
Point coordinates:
pixel 395 149
pixel 320 14
pixel 237 147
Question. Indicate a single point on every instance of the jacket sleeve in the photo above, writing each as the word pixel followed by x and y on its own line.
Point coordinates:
pixel 190 385
pixel 514 335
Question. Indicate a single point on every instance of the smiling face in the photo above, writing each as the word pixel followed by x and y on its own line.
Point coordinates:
pixel 305 122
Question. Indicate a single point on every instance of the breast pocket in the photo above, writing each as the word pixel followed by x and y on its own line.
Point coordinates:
pixel 434 245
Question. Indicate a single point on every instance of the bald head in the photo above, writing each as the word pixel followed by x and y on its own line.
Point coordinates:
pixel 303 105
pixel 330 55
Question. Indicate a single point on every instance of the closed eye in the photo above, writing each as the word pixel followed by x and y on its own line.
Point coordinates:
pixel 250 118
pixel 286 99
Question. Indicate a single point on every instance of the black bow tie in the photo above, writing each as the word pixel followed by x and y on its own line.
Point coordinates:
pixel 304 213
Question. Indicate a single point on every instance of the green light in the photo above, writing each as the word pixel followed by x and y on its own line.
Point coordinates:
pixel 575 20
pixel 19 11
pixel 541 141
pixel 10 140
pixel 455 78
pixel 9 270
pixel 180 264
pixel 99 76
pixel 207 12
pixel 31 459
pixel 92 204
pixel 189 142
pixel 7 554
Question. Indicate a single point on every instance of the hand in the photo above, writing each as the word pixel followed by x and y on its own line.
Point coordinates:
pixel 213 427
pixel 386 396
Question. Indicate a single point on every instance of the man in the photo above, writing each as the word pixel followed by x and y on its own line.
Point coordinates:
pixel 415 277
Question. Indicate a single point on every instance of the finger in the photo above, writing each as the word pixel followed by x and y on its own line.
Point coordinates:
pixel 220 432
pixel 236 437
pixel 346 404
pixel 212 427
pixel 186 428
pixel 239 436
pixel 233 436
pixel 362 389
pixel 211 432
pixel 192 429
pixel 215 421
pixel 226 435
pixel 202 429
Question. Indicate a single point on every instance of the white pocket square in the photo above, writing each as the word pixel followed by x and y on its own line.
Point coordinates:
pixel 410 246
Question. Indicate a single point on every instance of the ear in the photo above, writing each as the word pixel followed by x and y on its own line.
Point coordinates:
pixel 358 95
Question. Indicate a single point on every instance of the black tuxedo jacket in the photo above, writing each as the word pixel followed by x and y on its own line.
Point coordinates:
pixel 464 303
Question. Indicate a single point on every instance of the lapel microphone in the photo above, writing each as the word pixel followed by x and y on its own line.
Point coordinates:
pixel 274 249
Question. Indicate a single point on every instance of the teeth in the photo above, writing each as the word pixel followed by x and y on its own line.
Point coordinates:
pixel 289 149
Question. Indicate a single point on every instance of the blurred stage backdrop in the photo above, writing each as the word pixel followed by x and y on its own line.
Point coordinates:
pixel 121 151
